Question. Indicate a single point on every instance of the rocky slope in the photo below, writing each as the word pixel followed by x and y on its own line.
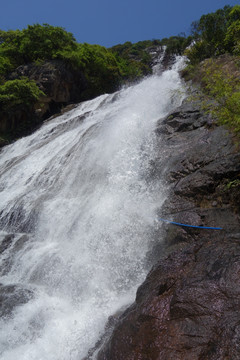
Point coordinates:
pixel 188 306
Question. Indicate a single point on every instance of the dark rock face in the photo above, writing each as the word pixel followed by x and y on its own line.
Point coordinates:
pixel 60 82
pixel 156 52
pixel 201 161
pixel 188 306
pixel 12 296
pixel 10 244
pixel 62 85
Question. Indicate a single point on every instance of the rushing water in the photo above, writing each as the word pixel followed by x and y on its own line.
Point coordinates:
pixel 77 196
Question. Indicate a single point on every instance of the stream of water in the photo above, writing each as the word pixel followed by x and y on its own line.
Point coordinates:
pixel 77 212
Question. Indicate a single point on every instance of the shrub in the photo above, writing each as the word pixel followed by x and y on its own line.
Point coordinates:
pixel 5 65
pixel 215 34
pixel 37 42
pixel 134 59
pixel 232 38
pixel 198 52
pixel 19 92
pixel 219 84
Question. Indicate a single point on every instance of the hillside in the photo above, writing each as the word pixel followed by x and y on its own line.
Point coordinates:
pixel 43 69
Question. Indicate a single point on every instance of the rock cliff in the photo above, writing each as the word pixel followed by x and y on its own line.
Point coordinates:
pixel 188 306
pixel 62 84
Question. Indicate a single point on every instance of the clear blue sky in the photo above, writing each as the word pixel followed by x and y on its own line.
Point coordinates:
pixel 109 22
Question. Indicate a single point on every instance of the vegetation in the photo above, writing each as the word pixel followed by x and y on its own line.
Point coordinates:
pixel 134 59
pixel 103 70
pixel 99 66
pixel 19 92
pixel 214 43
pixel 214 63
pixel 45 42
pixel 208 35
pixel 18 95
pixel 219 82
pixel 232 184
pixel 37 42
pixel 214 35
pixel 176 45
pixel 232 38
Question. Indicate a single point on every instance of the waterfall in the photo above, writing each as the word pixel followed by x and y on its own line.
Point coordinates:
pixel 77 209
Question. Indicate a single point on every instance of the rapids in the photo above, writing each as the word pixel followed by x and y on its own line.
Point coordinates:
pixel 77 210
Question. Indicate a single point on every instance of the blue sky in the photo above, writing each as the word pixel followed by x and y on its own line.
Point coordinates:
pixel 109 22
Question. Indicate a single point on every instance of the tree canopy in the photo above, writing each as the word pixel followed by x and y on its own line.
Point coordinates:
pixel 215 34
pixel 37 42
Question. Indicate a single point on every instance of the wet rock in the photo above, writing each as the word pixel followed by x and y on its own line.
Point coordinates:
pixel 188 306
pixel 201 162
pixel 5 241
pixel 10 244
pixel 12 296
pixel 112 321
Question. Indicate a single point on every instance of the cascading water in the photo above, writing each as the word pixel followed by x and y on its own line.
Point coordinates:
pixel 77 211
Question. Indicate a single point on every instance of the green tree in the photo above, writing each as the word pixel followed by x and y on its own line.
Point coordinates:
pixel 19 92
pixel 209 35
pixel 37 42
pixel 220 84
pixel 232 38
pixel 5 66
pixel 45 42
pixel 212 29
pixel 176 45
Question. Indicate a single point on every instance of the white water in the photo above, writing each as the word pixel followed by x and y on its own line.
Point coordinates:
pixel 78 186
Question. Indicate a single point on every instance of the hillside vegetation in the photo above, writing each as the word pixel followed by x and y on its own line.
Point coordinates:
pixel 43 49
pixel 39 43
pixel 214 63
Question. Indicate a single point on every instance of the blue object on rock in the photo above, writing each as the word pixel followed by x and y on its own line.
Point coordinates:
pixel 191 226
